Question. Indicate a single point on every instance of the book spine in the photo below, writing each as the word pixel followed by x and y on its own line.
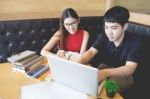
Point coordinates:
pixel 23 62
pixel 26 66
pixel 41 72
pixel 29 64
pixel 36 70
pixel 34 66
pixel 44 75
pixel 21 56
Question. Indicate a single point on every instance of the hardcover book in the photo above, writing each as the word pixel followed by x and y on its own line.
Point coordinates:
pixel 21 56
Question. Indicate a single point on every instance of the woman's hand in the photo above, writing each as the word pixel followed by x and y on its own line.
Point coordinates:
pixel 61 53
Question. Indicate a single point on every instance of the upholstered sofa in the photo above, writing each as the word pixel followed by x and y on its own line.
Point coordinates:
pixel 19 35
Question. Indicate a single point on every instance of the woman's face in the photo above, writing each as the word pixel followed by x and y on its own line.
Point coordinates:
pixel 71 25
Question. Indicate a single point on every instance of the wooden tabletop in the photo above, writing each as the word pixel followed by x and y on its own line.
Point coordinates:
pixel 11 83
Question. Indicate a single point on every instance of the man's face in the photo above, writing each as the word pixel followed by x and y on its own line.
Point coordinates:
pixel 114 31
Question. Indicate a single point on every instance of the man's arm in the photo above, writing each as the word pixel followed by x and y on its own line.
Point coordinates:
pixel 87 56
pixel 128 69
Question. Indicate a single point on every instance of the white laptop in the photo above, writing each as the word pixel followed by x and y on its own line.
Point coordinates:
pixel 77 76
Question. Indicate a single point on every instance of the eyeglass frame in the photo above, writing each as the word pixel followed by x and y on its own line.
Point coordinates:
pixel 71 24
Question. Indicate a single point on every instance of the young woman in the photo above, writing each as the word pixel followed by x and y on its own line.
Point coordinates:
pixel 69 37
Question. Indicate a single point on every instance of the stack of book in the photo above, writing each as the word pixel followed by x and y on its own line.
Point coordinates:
pixel 30 63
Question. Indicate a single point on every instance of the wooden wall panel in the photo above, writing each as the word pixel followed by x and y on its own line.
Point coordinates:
pixel 24 9
pixel 139 9
pixel 140 6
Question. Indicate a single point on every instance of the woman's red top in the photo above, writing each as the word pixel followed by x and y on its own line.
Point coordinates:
pixel 73 42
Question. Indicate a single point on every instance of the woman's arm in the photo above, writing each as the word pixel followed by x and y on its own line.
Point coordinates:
pixel 84 42
pixel 50 44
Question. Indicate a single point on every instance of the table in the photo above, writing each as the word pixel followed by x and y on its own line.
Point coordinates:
pixel 11 83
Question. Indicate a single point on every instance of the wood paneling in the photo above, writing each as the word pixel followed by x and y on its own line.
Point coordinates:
pixel 140 18
pixel 29 9
pixel 142 6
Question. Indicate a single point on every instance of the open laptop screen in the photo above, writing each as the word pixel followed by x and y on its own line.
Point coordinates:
pixel 74 75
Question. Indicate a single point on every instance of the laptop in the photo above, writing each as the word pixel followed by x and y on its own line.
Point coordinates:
pixel 74 75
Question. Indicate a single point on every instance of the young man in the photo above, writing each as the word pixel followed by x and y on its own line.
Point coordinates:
pixel 118 49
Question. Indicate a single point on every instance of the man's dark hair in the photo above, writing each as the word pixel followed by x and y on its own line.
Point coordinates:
pixel 117 14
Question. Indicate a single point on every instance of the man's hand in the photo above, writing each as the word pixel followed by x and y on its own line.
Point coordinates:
pixel 103 74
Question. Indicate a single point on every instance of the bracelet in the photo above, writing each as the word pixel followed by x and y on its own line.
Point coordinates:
pixel 68 56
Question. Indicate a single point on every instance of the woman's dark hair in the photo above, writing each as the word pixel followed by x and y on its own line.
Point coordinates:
pixel 117 14
pixel 69 12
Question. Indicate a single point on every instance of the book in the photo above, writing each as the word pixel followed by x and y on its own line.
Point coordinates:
pixel 31 73
pixel 34 66
pixel 21 56
pixel 26 60
pixel 30 63
pixel 40 72
pixel 44 75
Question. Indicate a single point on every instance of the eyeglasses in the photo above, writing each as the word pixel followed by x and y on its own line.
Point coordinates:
pixel 71 24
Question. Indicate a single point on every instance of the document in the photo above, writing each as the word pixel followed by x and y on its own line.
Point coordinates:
pixel 50 90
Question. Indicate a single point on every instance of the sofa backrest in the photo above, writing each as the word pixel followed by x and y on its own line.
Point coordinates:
pixel 139 29
pixel 143 31
pixel 19 35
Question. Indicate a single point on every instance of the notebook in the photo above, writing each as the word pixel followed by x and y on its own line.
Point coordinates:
pixel 77 76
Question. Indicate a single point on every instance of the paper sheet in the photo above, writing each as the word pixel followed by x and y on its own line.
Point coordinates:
pixel 50 90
